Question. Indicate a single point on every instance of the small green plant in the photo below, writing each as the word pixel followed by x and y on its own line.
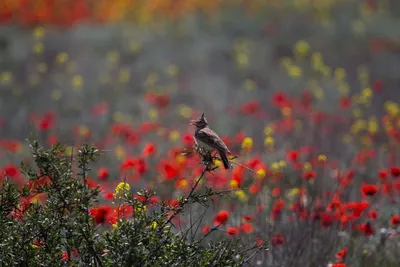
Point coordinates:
pixel 49 221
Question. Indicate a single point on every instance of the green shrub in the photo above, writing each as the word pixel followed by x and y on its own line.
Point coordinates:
pixel 61 231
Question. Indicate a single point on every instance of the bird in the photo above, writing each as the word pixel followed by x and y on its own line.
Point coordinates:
pixel 207 138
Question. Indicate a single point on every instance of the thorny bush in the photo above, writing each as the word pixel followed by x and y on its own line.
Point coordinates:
pixel 51 221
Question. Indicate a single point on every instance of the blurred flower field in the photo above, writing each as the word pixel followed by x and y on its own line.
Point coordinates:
pixel 305 93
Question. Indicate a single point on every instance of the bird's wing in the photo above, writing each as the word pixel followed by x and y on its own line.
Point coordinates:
pixel 211 138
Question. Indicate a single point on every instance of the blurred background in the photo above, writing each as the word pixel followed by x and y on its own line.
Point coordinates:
pixel 91 63
pixel 305 92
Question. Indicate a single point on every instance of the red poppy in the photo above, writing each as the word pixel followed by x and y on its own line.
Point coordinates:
pixel 292 155
pixel 100 109
pixel 246 227
pixel 108 196
pixel 52 139
pixel 46 122
pixel 367 228
pixel 160 100
pixel 279 205
pixel 377 85
pixel 206 229
pixel 280 99
pixel 254 189
pixel 369 190
pixel 232 231
pixel 373 214
pixel 141 166
pixel 250 107
pixel 65 254
pixel 169 170
pixel 247 218
pixel 308 175
pixel 253 162
pixel 278 240
pixel 339 265
pixel 187 140
pixel 128 164
pixel 221 217
pixel 10 170
pixel 276 192
pixel 173 203
pixel 345 102
pixel 100 214
pixel 103 174
pixel 395 171
pixel 383 174
pixel 395 220
pixel 341 255
pixel 326 219
pixel 149 149
pixel 358 208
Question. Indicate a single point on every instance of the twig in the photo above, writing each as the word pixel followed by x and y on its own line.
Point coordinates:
pixel 186 200
pixel 241 165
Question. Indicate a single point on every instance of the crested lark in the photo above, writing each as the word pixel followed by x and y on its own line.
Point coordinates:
pixel 207 138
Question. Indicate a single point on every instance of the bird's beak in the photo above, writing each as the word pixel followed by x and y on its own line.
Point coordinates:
pixel 193 122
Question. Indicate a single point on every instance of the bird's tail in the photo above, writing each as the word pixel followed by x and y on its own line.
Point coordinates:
pixel 224 159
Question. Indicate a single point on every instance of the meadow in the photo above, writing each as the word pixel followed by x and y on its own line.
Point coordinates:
pixel 304 93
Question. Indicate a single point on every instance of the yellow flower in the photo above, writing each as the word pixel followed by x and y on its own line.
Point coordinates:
pixel 185 111
pixel 180 159
pixel 316 61
pixel 113 56
pixel 6 77
pixel 322 158
pixel 124 75
pixel 173 70
pixel 373 126
pixel 174 136
pixel 307 166
pixel 282 164
pixel 121 189
pixel 120 152
pixel 302 48
pixel 153 114
pixel 293 192
pixel 319 93
pixel 69 150
pixel 152 78
pixel 39 32
pixel 83 130
pixel 218 163
pixel 294 71
pixel 242 59
pixel 247 143
pixel 268 130
pixel 77 81
pixel 241 195
pixel 38 48
pixel 62 57
pixel 269 141
pixel 260 173
pixel 392 108
pixel 249 85
pixel 340 74
pixel 141 209
pixel 233 184
pixel 153 225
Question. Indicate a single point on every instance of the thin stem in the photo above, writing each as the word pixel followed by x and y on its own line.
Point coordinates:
pixel 186 200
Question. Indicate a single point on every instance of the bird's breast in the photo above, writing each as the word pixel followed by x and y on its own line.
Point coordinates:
pixel 204 145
